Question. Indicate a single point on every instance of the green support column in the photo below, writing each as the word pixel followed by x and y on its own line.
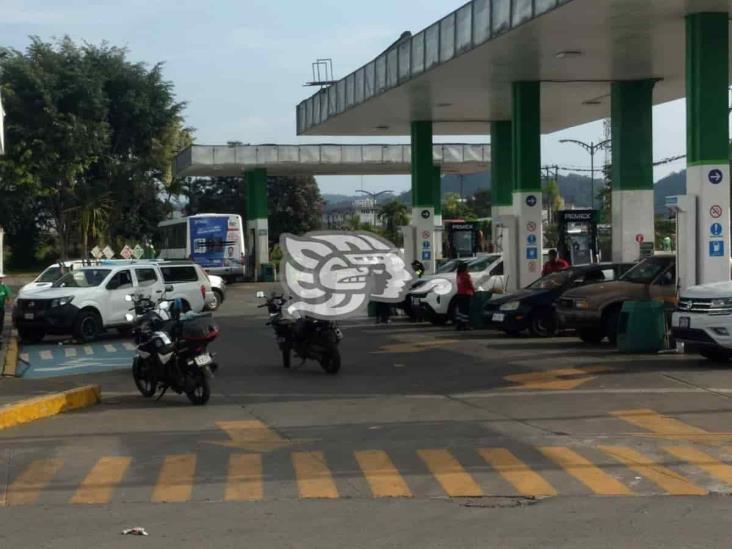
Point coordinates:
pixel 527 198
pixel 423 241
pixel 708 177
pixel 422 166
pixel 632 168
pixel 257 214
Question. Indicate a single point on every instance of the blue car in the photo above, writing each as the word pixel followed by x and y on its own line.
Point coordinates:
pixel 533 309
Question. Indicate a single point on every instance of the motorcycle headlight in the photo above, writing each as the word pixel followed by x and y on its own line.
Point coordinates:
pixel 130 317
pixel 510 306
pixel 61 301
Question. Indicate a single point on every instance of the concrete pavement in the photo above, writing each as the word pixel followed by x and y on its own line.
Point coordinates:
pixel 427 437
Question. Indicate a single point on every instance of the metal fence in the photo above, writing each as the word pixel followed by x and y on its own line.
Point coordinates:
pixel 464 29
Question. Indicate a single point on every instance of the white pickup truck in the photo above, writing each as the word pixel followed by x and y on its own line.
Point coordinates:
pixel 88 300
pixel 703 320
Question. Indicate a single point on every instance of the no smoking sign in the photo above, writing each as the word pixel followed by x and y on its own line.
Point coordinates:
pixel 716 211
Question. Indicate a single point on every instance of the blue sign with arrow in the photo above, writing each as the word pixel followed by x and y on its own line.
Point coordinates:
pixel 716 177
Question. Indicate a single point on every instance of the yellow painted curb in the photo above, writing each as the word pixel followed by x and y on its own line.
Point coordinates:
pixel 32 409
pixel 10 365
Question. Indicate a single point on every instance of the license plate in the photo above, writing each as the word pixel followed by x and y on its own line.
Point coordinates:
pixel 498 317
pixel 684 322
pixel 28 316
pixel 203 360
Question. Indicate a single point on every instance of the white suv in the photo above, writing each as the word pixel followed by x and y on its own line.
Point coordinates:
pixel 435 294
pixel 88 300
pixel 703 320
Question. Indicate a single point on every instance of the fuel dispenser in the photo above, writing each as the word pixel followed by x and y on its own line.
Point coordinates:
pixel 684 209
pixel 578 240
pixel 462 239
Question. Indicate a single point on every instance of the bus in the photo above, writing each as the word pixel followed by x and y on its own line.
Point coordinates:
pixel 214 241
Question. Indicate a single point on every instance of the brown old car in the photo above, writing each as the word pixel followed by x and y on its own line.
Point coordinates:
pixel 594 310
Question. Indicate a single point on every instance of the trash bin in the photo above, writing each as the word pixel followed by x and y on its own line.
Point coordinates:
pixel 477 304
pixel 266 272
pixel 642 327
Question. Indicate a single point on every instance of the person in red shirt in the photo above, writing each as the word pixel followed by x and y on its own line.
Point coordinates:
pixel 555 264
pixel 465 293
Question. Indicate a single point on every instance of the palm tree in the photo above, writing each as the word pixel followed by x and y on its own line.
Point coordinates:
pixel 92 209
pixel 393 214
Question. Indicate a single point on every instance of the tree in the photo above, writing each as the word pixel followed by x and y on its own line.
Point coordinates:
pixel 553 199
pixel 453 207
pixel 295 205
pixel 84 124
pixel 480 204
pixel 393 214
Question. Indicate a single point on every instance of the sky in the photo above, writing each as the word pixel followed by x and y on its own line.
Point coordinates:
pixel 240 65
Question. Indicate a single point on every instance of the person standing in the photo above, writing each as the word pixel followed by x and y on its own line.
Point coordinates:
pixel 465 293
pixel 4 296
pixel 555 264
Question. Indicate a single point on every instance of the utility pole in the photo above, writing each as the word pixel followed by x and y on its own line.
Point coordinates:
pixel 591 148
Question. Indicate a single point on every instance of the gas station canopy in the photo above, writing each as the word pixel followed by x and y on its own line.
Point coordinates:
pixel 458 72
pixel 224 160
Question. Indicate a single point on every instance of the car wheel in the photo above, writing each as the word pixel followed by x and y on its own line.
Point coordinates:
pixel 611 326
pixel 591 335
pixel 31 335
pixel 217 300
pixel 88 326
pixel 715 355
pixel 543 324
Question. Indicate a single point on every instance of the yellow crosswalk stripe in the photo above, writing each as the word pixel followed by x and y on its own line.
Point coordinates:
pixel 669 427
pixel 110 348
pixel 668 480
pixel 99 484
pixel 517 473
pixel 88 350
pixel 383 478
pixel 175 482
pixel 244 480
pixel 28 486
pixel 70 353
pixel 455 481
pixel 703 461
pixel 588 474
pixel 313 476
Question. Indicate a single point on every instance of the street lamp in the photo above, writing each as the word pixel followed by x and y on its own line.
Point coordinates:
pixel 373 197
pixel 591 148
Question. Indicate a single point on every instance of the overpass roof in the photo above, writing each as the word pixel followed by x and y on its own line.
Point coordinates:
pixel 325 159
pixel 458 71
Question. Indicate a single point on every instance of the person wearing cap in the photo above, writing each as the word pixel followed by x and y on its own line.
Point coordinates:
pixel 4 296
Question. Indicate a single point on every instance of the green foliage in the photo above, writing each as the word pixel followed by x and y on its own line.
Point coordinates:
pixel 454 207
pixel 90 141
pixel 480 204
pixel 393 214
pixel 665 228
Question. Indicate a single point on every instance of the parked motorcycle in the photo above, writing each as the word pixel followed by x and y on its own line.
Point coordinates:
pixel 307 337
pixel 171 349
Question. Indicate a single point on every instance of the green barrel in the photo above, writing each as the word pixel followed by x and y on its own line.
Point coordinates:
pixel 476 309
pixel 266 272
pixel 642 327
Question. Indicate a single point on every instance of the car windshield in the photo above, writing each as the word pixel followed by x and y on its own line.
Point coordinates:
pixel 647 270
pixel 52 274
pixel 554 280
pixel 84 278
pixel 482 263
pixel 449 267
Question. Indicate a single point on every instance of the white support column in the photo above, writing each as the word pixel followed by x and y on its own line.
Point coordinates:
pixel 632 223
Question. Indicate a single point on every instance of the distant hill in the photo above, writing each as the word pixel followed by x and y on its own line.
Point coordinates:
pixel 575 189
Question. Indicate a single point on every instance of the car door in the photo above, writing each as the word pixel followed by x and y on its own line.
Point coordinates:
pixel 117 288
pixel 148 282
pixel 186 284
pixel 664 288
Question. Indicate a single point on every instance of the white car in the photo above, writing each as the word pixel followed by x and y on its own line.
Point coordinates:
pixel 89 300
pixel 53 272
pixel 435 294
pixel 703 320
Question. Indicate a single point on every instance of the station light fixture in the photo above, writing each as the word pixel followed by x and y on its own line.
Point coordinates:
pixel 564 54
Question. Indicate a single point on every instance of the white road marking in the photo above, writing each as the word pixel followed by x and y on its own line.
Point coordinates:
pixel 110 348
pixel 129 346
pixel 46 355
pixel 70 353
pixel 88 350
